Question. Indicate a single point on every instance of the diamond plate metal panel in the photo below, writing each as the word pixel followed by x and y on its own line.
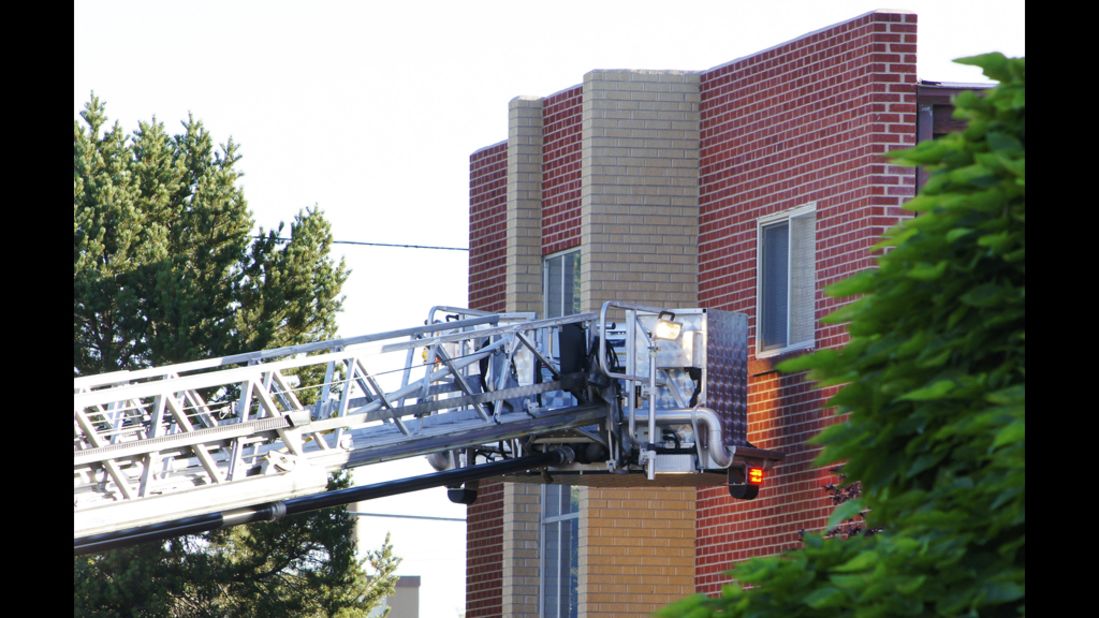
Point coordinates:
pixel 727 372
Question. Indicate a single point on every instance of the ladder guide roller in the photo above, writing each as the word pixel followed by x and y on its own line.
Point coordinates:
pixel 163 444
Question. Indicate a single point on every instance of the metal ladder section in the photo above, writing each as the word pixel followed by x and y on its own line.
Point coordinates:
pixel 168 442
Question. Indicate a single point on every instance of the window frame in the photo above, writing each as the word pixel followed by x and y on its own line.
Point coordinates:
pixel 764 222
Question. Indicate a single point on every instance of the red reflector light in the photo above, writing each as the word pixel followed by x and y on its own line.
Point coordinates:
pixel 755 476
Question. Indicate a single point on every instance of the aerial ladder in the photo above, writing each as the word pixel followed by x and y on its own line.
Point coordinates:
pixel 629 395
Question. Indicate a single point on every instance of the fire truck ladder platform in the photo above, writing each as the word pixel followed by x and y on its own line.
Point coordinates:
pixel 630 401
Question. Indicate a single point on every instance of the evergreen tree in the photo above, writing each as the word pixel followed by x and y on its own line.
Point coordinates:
pixel 934 390
pixel 165 271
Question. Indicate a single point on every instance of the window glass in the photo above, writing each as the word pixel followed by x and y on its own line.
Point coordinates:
pixel 570 567
pixel 571 285
pixel 560 551
pixel 561 284
pixel 551 575
pixel 774 293
pixel 802 278
pixel 554 293
pixel 551 506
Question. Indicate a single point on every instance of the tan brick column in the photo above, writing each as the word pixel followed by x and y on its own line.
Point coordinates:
pixel 638 549
pixel 522 504
pixel 524 212
pixel 639 188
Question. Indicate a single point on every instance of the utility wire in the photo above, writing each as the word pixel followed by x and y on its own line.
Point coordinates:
pixel 381 244
pixel 361 514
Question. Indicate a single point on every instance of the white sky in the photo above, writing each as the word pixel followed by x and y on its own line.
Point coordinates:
pixel 370 110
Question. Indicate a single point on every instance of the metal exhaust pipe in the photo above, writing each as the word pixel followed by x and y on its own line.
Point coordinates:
pixel 718 451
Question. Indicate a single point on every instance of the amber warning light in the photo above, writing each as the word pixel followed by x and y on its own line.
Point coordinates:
pixel 755 476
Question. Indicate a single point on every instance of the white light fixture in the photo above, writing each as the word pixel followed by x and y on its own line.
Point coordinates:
pixel 665 327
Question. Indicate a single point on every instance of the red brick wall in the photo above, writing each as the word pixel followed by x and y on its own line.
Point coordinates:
pixel 488 202
pixel 561 118
pixel 488 175
pixel 485 552
pixel 806 121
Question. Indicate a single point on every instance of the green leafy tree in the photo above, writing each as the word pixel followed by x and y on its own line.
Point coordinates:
pixel 165 270
pixel 933 391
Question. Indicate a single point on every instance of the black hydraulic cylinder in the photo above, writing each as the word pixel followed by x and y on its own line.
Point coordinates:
pixel 294 506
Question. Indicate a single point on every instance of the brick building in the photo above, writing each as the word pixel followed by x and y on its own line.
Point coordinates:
pixel 746 187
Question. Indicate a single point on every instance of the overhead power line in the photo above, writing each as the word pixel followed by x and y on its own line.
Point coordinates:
pixel 382 244
pixel 361 514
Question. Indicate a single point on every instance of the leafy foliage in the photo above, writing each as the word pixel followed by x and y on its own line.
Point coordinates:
pixel 163 267
pixel 844 492
pixel 934 393
pixel 165 271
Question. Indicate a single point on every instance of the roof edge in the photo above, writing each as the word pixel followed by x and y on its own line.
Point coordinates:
pixel 489 147
pixel 809 34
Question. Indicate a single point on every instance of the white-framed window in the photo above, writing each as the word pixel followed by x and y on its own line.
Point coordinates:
pixel 786 281
pixel 561 284
pixel 560 559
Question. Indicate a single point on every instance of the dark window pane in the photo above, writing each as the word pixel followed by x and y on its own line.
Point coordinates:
pixel 572 283
pixel 773 282
pixel 550 573
pixel 552 505
pixel 563 567
pixel 553 287
pixel 574 567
